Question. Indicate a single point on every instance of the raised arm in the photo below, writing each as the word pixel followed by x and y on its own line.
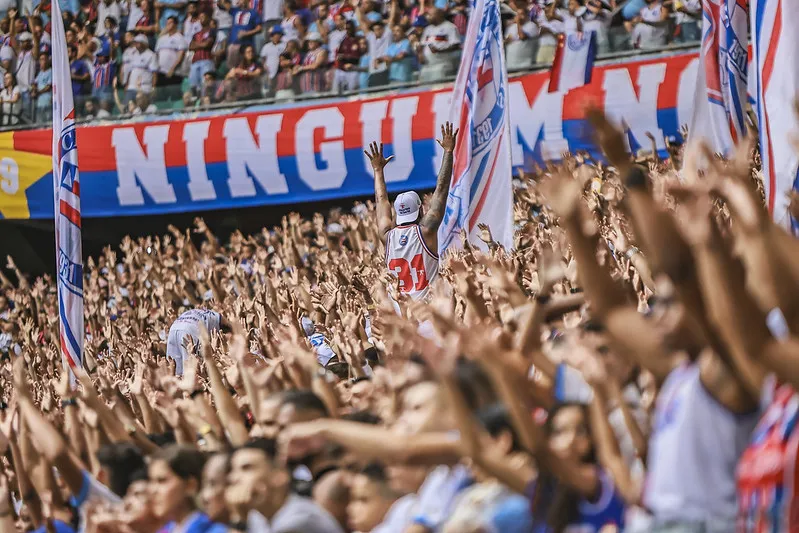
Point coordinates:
pixel 435 211
pixel 384 219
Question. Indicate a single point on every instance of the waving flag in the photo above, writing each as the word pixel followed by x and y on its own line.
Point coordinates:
pixel 720 99
pixel 775 45
pixel 66 185
pixel 574 61
pixel 480 191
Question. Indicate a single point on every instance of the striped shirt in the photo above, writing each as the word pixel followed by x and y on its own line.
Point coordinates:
pixel 313 80
pixel 201 54
pixel 247 87
pixel 102 74
pixel 768 472
pixel 285 79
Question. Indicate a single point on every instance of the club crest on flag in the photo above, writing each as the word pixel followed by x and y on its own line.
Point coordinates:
pixel 480 189
pixel 66 188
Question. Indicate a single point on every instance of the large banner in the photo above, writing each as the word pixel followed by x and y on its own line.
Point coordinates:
pixel 269 156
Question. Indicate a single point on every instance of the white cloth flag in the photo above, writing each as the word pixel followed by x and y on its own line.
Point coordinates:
pixel 481 191
pixel 721 85
pixel 573 65
pixel 775 43
pixel 66 186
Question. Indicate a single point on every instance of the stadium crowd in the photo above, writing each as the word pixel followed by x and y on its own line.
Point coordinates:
pixel 135 56
pixel 642 328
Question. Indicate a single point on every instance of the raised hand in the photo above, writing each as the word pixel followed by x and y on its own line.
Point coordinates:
pixel 609 138
pixel 485 233
pixel 375 155
pixel 448 137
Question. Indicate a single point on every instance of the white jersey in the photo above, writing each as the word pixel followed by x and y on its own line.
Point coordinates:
pixel 188 324
pixel 647 36
pixel 693 451
pixel 409 258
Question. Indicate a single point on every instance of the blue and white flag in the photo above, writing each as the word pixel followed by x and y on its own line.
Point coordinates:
pixel 66 185
pixel 720 100
pixel 480 191
pixel 775 44
pixel 573 65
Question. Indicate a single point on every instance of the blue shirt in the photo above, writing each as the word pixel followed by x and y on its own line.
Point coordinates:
pixel 632 8
pixel 60 527
pixel 363 77
pixel 400 70
pixel 79 68
pixel 608 509
pixel 196 523
pixel 171 12
pixel 512 515
pixel 69 5
pixel 243 20
pixel 43 79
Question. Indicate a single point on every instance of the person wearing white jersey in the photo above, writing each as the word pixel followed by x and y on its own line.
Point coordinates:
pixel 187 326
pixel 412 243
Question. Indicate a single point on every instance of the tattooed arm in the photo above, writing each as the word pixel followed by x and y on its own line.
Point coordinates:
pixel 435 211
pixel 383 207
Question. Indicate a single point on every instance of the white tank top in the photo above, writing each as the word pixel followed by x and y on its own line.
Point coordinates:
pixel 290 32
pixel 653 35
pixel 409 258
pixel 693 452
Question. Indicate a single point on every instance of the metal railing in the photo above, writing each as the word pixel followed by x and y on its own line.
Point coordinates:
pixel 27 118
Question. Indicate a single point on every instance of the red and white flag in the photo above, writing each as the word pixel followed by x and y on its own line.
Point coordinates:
pixel 774 45
pixel 66 185
pixel 574 61
pixel 720 100
pixel 481 190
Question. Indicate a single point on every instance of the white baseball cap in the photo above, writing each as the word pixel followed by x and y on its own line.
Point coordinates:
pixel 407 206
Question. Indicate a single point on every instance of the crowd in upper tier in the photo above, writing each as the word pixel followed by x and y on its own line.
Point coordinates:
pixel 130 57
pixel 627 364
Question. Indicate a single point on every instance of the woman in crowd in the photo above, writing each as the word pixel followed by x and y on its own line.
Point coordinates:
pixel 10 100
pixel 245 79
pixel 509 400
pixel 285 82
pixel 174 485
pixel 42 90
pixel 312 73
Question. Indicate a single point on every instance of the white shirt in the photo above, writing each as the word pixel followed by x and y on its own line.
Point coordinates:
pixel 437 38
pixel 296 514
pixel 26 70
pixel 334 39
pixel 188 324
pixel 290 31
pixel 127 55
pixel 169 49
pixel 141 67
pixel 555 26
pixel 270 56
pixel 378 48
pixel 273 10
pixel 519 53
pixel 111 10
pixel 190 27
pixel 528 28
pixel 648 36
pixel 692 6
pixel 224 20
pixel 694 447
pixel 135 15
pixel 409 258
pixel 150 109
pixel 10 108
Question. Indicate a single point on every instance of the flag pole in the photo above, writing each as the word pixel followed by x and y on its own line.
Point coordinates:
pixel 66 199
